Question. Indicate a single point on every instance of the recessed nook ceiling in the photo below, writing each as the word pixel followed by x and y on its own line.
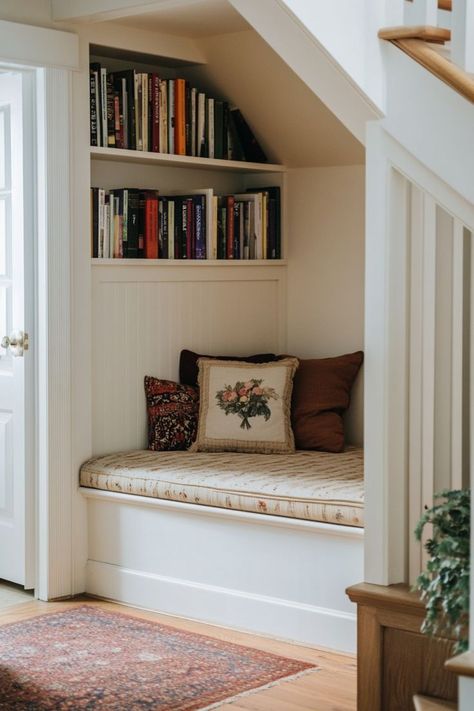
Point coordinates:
pixel 201 18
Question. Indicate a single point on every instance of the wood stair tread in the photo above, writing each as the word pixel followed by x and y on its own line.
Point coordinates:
pixel 429 703
pixel 437 35
pixel 445 5
pixel 462 664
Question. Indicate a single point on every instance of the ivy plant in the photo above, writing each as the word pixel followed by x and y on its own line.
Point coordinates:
pixel 444 585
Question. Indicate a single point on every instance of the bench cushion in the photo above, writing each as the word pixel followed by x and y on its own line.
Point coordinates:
pixel 315 486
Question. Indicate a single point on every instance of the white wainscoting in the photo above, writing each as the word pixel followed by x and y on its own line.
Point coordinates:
pixel 144 315
pixel 267 574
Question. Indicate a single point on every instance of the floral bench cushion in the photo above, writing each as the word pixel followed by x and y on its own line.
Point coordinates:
pixel 315 486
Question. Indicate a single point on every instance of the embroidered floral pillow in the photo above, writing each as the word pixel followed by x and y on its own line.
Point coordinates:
pixel 172 414
pixel 245 407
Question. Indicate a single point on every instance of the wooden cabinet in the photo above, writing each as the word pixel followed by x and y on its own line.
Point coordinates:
pixel 395 661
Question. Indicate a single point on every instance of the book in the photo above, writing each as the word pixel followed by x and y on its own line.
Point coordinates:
pixel 94 105
pixel 163 241
pixel 171 115
pixel 200 251
pixel 163 116
pixel 133 223
pixel 110 99
pixel 210 127
pixel 230 227
pixel 151 225
pixel 251 148
pixel 201 126
pixel 272 218
pixel 126 81
pixel 95 221
pixel 219 129
pixel 193 121
pixel 188 111
pixel 155 113
pixel 144 110
pixel 171 228
pixel 255 236
pixel 103 106
pixel 180 117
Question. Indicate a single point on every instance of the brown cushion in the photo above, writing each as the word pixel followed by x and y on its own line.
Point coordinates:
pixel 172 414
pixel 321 394
pixel 189 369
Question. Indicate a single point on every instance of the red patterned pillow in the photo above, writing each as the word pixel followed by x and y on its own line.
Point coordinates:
pixel 173 411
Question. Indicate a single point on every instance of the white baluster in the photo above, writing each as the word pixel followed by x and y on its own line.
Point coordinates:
pixel 462 34
pixel 421 12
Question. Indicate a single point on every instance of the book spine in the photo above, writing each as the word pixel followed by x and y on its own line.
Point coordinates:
pixel 180 117
pixel 200 226
pixel 201 126
pixel 116 228
pixel 133 223
pixel 163 117
pixel 193 120
pixel 252 151
pixel 230 227
pixel 171 228
pixel 210 127
pixel 225 130
pixel 171 116
pixel 155 121
pixel 151 226
pixel 111 234
pixel 246 222
pixel 218 129
pixel 187 119
pixel 184 227
pixel 236 241
pixel 118 123
pixel 101 223
pixel 178 213
pixel 93 107
pixel 141 224
pixel 124 104
pixel 106 226
pixel 95 221
pixel 125 224
pixel 110 112
pixel 190 229
pixel 103 105
pixel 163 228
pixel 138 111
pixel 144 86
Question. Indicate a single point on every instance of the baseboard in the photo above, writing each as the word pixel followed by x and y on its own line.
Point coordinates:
pixel 286 619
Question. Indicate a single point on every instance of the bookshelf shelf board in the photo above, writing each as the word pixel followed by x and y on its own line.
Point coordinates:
pixel 146 158
pixel 188 263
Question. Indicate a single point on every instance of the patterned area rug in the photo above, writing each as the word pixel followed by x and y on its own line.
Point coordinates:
pixel 89 658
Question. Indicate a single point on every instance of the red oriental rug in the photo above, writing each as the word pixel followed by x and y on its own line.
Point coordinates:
pixel 89 658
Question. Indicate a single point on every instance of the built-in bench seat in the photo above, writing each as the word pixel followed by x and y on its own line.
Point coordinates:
pixel 314 486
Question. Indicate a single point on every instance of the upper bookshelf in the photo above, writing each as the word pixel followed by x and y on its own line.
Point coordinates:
pixel 124 155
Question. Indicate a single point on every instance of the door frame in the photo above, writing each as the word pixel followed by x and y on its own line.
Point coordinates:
pixel 51 56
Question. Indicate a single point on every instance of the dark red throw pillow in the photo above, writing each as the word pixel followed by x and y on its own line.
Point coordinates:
pixel 173 411
pixel 189 369
pixel 321 395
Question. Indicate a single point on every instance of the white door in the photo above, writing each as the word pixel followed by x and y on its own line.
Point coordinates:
pixel 16 363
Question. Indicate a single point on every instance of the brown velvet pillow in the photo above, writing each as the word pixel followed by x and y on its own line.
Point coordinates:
pixel 189 369
pixel 321 394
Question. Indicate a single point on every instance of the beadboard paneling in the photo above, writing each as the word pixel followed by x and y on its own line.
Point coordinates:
pixel 142 318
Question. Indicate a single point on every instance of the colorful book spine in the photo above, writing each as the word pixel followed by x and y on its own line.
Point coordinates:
pixel 180 117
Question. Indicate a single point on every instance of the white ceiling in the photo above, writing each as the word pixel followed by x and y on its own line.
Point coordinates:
pixel 194 18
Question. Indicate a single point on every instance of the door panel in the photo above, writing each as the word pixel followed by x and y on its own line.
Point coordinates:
pixel 14 492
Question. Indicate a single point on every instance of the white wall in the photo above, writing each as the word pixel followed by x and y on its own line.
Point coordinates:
pixel 326 269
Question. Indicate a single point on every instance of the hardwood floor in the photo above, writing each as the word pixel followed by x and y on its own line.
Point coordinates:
pixel 331 688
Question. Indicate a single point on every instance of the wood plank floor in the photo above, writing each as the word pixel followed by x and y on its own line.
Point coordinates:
pixel 332 688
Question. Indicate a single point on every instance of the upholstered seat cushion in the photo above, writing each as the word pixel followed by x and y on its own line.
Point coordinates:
pixel 316 486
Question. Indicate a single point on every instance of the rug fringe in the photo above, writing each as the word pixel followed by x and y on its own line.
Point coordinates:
pixel 249 692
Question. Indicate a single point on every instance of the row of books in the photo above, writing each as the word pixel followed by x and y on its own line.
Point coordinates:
pixel 131 223
pixel 140 111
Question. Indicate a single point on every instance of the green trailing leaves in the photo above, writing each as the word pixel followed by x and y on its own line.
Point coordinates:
pixel 444 585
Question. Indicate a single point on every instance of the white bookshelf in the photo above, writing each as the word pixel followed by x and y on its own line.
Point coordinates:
pixel 123 155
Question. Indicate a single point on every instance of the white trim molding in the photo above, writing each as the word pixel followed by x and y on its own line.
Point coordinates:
pixel 26 45
pixel 54 335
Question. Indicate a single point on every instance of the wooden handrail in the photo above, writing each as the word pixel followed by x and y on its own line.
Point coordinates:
pixel 437 35
pixel 438 65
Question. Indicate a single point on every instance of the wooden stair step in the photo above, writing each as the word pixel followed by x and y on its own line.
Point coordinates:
pixel 445 5
pixel 429 703
pixel 462 664
pixel 437 35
